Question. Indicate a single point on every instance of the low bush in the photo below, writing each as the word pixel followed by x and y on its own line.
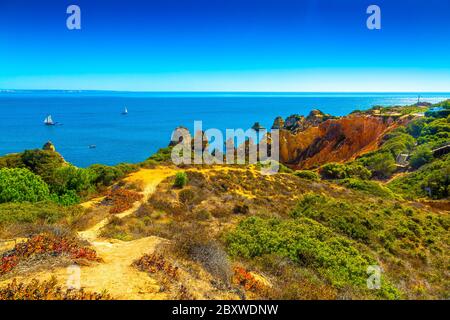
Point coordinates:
pixel 37 213
pixel 241 209
pixel 431 180
pixel 371 187
pixel 245 279
pixel 106 175
pixel 181 180
pixel 20 185
pixel 122 200
pixel 186 196
pixel 422 155
pixel 163 155
pixel 153 263
pixel 307 174
pixel 343 171
pixel 307 243
pixel 44 244
pixel 46 290
pixel 214 259
pixel 381 164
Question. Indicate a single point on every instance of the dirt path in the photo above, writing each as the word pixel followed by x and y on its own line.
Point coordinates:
pixel 149 178
pixel 115 274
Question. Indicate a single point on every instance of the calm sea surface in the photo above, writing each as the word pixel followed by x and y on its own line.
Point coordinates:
pixel 94 118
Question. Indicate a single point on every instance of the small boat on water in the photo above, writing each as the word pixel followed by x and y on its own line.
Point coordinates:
pixel 48 121
pixel 125 111
pixel 92 146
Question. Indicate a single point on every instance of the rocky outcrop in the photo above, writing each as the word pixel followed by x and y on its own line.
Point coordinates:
pixel 317 139
pixel 311 141
pixel 49 146
pixel 296 123
pixel 278 123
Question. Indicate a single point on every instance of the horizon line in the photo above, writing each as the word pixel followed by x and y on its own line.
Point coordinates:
pixel 209 91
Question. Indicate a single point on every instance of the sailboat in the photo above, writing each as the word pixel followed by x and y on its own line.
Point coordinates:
pixel 48 121
pixel 125 111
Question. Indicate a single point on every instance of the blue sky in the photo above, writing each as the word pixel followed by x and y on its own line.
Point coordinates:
pixel 226 45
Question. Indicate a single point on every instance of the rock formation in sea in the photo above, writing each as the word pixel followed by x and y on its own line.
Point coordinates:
pixel 278 123
pixel 49 146
pixel 311 141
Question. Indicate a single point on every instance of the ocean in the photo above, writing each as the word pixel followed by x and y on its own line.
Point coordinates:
pixel 94 118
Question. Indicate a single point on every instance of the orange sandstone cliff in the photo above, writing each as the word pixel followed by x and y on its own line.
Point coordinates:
pixel 309 142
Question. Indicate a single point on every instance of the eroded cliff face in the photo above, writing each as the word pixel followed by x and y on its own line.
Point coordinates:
pixel 333 140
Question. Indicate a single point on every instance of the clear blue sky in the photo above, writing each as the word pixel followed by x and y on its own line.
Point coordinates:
pixel 226 45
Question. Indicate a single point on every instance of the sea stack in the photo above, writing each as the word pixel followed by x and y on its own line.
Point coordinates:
pixel 49 146
pixel 278 123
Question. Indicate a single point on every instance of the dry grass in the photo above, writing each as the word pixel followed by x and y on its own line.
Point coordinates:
pixel 46 290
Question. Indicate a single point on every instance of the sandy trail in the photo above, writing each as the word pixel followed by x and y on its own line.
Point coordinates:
pixel 149 178
pixel 115 273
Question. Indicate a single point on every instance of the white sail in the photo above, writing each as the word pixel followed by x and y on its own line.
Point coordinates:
pixel 48 120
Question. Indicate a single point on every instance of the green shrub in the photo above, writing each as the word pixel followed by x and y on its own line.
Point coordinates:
pixel 69 198
pixel 356 170
pixel 181 179
pixel 343 171
pixel 421 156
pixel 11 161
pixel 390 228
pixel 20 185
pixel 72 179
pixel 284 169
pixel 307 174
pixel 308 243
pixel 397 142
pixel 339 215
pixel 163 155
pixel 370 187
pixel 435 133
pixel 414 128
pixel 333 171
pixel 381 164
pixel 20 213
pixel 431 180
pixel 42 162
pixel 106 175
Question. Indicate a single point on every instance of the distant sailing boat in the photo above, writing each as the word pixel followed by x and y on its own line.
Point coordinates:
pixel 125 111
pixel 48 121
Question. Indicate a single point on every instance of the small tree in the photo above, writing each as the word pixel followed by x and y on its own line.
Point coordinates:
pixel 333 171
pixel 421 156
pixel 381 164
pixel 181 179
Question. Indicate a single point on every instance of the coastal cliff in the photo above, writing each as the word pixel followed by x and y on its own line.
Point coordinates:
pixel 319 138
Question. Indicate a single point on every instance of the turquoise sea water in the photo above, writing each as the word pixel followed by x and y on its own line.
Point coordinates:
pixel 94 118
